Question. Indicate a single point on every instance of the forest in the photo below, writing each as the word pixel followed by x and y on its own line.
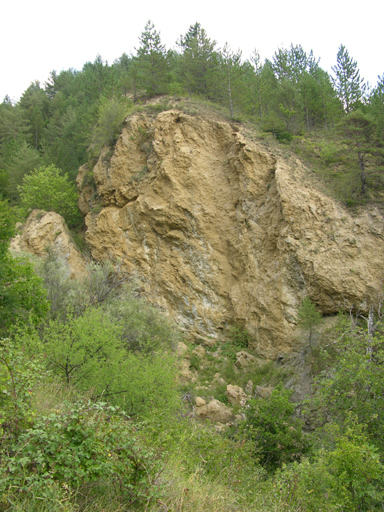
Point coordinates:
pixel 93 416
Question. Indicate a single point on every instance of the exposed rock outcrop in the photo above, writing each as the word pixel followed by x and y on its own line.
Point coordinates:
pixel 47 231
pixel 236 395
pixel 223 231
pixel 214 411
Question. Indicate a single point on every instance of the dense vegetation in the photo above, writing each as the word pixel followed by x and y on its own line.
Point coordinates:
pixel 336 121
pixel 92 415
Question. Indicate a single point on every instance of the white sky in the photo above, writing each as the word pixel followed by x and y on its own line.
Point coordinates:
pixel 38 36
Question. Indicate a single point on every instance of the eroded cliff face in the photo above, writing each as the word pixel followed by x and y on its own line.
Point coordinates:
pixel 221 231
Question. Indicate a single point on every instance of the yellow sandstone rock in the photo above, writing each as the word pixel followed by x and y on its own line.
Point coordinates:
pixel 47 230
pixel 221 231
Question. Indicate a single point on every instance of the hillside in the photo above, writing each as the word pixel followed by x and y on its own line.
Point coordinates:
pixel 191 300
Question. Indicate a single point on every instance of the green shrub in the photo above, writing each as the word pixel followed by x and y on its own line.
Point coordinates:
pixel 201 448
pixel 90 353
pixel 237 339
pixel 18 376
pixel 22 295
pixel 308 316
pixel 111 115
pixel 89 449
pixel 239 336
pixel 348 477
pixel 48 189
pixel 277 435
pixel 353 382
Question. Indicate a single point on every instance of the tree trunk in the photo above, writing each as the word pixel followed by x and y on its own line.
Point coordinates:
pixel 371 332
pixel 230 93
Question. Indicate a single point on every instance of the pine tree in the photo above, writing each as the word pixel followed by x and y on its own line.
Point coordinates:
pixel 152 61
pixel 308 316
pixel 231 63
pixel 348 83
pixel 197 60
pixel 376 106
pixel 359 133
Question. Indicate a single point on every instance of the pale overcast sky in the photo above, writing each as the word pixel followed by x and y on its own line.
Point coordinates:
pixel 38 36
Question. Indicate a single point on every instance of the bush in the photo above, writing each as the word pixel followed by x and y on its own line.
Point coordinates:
pixel 348 477
pixel 89 352
pixel 144 329
pixel 308 316
pixel 276 433
pixel 18 376
pixel 238 339
pixel 88 450
pixel 48 189
pixel 354 382
pixel 22 296
pixel 21 292
pixel 111 115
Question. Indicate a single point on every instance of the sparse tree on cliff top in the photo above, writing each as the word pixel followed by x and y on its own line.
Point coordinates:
pixel 359 133
pixel 152 61
pixel 197 60
pixel 348 83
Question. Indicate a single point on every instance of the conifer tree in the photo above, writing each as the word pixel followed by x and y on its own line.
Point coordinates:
pixel 376 106
pixel 348 83
pixel 359 132
pixel 197 60
pixel 231 62
pixel 152 61
pixel 308 316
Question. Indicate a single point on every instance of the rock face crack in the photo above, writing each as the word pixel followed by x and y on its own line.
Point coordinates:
pixel 224 232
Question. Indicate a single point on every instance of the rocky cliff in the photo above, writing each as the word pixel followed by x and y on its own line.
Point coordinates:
pixel 222 231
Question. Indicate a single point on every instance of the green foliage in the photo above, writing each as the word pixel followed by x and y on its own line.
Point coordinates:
pixel 152 62
pixel 237 339
pixel 6 227
pixel 144 329
pixel 34 104
pixel 347 477
pixel 277 435
pixel 18 376
pixel 350 87
pixel 48 189
pixel 357 471
pixel 354 382
pixel 239 336
pixel 111 115
pixel 91 353
pixel 359 132
pixel 93 447
pixel 215 455
pixel 308 316
pixel 64 294
pixel 20 161
pixel 22 296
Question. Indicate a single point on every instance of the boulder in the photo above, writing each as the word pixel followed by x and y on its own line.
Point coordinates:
pixel 215 411
pixel 249 388
pixel 244 359
pixel 199 351
pixel 236 395
pixel 263 391
pixel 47 231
